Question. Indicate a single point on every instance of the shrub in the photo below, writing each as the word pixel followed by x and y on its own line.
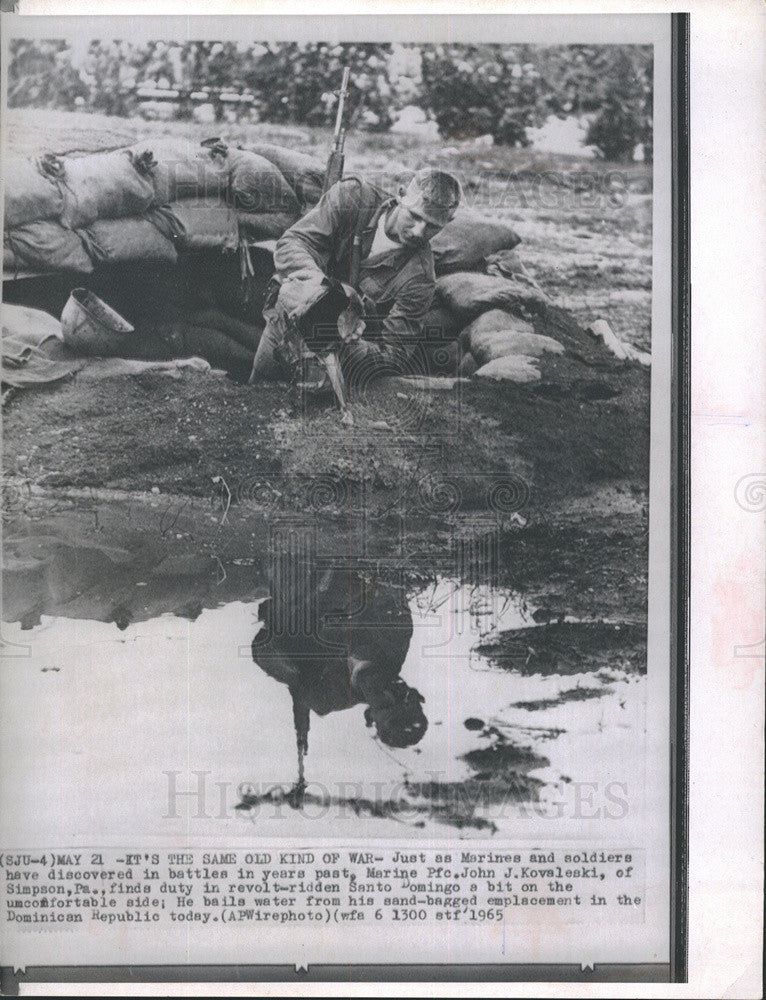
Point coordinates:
pixel 483 89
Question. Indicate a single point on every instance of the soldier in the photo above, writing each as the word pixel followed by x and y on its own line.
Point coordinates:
pixel 359 262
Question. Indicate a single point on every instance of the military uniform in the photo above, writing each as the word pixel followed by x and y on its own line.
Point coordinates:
pixel 396 286
pixel 354 640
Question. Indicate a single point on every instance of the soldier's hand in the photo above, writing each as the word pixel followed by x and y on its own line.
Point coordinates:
pixel 350 325
pixel 299 290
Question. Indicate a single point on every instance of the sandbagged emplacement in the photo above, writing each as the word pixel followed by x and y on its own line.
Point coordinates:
pixel 256 185
pixel 178 169
pixel 465 242
pixel 29 195
pixel 205 225
pixel 47 245
pixel 102 186
pixel 124 240
pixel 210 196
pixel 513 368
pixel 265 225
pixel 468 295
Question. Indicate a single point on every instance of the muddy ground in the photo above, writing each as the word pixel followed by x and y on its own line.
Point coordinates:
pixel 553 471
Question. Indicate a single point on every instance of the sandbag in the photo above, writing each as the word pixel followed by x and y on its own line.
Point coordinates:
pixel 103 186
pixel 468 295
pixel 497 334
pixel 514 368
pixel 505 263
pixel 256 185
pixel 303 173
pixel 464 243
pixel 29 196
pixel 32 326
pixel 49 246
pixel 11 262
pixel 179 170
pixel 123 240
pixel 265 225
pixel 204 225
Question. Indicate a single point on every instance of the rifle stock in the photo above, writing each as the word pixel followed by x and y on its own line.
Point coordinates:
pixel 334 170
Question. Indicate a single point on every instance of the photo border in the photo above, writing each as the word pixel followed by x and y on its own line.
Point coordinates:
pixel 676 970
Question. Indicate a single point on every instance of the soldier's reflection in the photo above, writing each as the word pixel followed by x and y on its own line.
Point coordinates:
pixel 339 638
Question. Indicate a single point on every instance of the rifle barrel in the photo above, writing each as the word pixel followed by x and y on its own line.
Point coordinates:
pixel 342 101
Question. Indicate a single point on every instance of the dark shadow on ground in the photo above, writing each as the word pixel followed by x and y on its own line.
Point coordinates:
pixel 570 648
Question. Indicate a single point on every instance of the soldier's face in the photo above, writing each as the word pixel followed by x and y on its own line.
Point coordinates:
pixel 408 223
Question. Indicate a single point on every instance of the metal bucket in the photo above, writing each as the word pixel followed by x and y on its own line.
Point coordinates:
pixel 89 326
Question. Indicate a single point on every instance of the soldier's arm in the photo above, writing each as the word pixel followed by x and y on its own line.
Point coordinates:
pixel 306 246
pixel 401 330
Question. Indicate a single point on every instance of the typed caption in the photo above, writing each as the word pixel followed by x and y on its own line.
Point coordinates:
pixel 50 890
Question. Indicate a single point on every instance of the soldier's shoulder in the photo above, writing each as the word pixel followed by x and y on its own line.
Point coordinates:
pixel 356 186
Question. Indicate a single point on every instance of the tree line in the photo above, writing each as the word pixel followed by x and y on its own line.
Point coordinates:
pixel 468 90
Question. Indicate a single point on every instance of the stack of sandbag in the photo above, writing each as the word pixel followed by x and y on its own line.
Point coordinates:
pixel 215 193
pixel 34 232
pixel 303 173
pixel 146 202
pixel 67 213
pixel 485 299
pixel 466 242
pixel 504 346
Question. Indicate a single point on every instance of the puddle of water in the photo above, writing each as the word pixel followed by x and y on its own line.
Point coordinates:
pixel 128 562
pixel 117 725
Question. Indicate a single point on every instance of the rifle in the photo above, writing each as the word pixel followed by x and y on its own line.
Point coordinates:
pixel 333 174
pixel 334 170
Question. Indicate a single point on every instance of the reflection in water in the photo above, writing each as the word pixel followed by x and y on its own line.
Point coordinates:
pixel 440 703
pixel 121 563
pixel 337 642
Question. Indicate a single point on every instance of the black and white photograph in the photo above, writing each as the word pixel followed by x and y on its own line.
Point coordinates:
pixel 335 376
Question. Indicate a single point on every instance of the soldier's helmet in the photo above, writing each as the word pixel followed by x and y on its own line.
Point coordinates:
pixel 402 723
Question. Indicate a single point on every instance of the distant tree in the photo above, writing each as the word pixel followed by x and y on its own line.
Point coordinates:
pixel 475 90
pixel 110 70
pixel 470 90
pixel 613 84
pixel 297 82
pixel 40 75
pixel 505 90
